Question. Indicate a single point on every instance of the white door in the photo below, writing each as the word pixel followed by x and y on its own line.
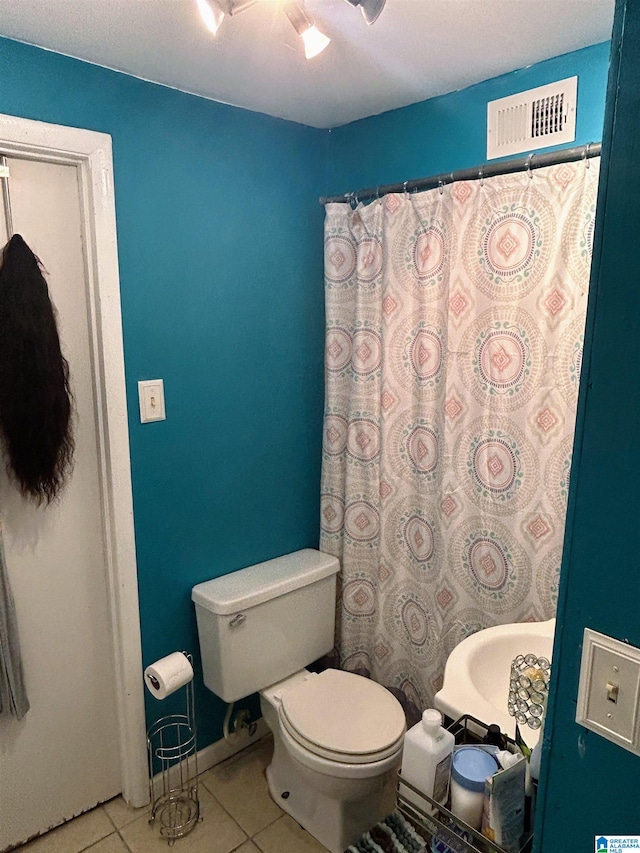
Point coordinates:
pixel 63 757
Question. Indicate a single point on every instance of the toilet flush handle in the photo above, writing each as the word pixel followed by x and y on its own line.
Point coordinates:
pixel 238 619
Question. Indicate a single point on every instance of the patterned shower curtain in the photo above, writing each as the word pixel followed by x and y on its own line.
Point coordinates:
pixel 454 332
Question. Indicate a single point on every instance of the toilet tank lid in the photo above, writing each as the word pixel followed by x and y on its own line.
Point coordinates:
pixel 256 584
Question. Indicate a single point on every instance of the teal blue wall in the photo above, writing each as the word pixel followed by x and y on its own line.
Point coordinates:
pixel 589 786
pixel 449 132
pixel 220 248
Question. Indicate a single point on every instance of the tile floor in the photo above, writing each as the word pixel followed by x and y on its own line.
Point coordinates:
pixel 238 815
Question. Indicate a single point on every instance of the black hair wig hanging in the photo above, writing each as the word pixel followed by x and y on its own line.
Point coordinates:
pixel 35 396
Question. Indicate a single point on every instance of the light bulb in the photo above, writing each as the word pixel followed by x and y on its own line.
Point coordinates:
pixel 314 42
pixel 211 15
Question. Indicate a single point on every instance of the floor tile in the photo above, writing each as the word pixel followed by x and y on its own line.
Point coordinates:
pixel 241 787
pixel 111 844
pixel 287 836
pixel 248 847
pixel 73 836
pixel 216 833
pixel 121 813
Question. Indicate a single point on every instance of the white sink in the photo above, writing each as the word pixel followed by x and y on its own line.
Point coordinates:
pixel 476 676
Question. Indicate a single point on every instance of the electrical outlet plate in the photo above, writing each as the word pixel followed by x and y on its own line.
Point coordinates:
pixel 151 396
pixel 609 690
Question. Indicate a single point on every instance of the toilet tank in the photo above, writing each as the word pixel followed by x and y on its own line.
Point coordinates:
pixel 261 624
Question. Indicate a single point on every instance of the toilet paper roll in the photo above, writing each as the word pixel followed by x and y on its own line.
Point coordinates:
pixel 167 675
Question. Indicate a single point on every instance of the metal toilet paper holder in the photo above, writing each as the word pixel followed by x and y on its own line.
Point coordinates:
pixel 173 770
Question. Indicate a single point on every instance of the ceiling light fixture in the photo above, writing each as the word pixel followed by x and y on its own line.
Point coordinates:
pixel 213 13
pixel 314 41
pixel 370 9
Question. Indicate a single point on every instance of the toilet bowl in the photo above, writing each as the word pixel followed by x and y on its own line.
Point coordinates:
pixel 337 736
pixel 337 747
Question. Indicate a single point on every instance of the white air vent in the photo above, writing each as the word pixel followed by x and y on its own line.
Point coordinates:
pixel 533 119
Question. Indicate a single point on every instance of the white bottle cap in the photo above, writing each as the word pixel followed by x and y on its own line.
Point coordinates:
pixel 431 719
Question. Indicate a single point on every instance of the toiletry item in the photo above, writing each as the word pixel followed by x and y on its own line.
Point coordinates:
pixel 472 765
pixel 426 760
pixel 536 753
pixel 168 674
pixel 508 759
pixel 494 736
pixel 451 838
pixel 534 767
pixel 504 805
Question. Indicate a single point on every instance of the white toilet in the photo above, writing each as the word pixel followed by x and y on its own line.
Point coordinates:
pixel 337 736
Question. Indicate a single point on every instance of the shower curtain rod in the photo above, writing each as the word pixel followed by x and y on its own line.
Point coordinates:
pixel 503 167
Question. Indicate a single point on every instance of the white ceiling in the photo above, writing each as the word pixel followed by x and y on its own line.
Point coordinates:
pixel 417 49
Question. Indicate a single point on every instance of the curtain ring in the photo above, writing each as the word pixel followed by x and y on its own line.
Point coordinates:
pixel 528 165
pixel 440 187
pixel 585 155
pixel 404 187
pixel 481 175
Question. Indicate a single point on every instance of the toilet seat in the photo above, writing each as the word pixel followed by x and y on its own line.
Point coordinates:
pixel 343 717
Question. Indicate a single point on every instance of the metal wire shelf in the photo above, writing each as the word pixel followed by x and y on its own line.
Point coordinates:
pixel 446 832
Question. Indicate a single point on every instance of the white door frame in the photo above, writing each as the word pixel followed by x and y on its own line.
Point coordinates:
pixel 91 153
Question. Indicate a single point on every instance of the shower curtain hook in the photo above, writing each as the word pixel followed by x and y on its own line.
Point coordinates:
pixel 481 175
pixel 353 198
pixel 528 165
pixel 404 187
pixel 585 155
pixel 440 187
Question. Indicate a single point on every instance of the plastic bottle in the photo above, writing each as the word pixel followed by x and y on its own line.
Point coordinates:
pixel 536 753
pixel 426 760
pixel 494 736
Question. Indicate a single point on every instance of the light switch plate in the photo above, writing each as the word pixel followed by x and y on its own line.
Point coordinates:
pixel 609 690
pixel 151 396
